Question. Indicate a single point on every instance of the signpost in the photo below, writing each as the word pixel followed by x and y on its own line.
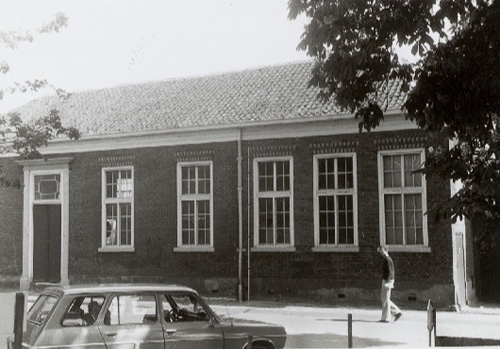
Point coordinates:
pixel 19 320
pixel 431 321
pixel 349 330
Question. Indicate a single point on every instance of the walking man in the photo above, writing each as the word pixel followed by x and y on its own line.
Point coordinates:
pixel 388 307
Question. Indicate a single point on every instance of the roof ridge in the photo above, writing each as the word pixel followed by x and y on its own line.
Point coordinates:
pixel 193 77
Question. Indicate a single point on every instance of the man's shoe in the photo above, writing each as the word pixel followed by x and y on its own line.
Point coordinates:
pixel 383 321
pixel 398 315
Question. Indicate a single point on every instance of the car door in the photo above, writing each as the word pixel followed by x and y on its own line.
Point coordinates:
pixel 131 321
pixel 188 324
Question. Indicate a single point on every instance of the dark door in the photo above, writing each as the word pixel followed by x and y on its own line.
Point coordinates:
pixel 47 243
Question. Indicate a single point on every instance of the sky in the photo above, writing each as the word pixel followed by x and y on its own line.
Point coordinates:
pixel 116 42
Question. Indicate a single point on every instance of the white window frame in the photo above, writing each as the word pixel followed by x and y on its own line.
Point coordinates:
pixel 402 190
pixel 275 194
pixel 181 197
pixel 354 247
pixel 105 200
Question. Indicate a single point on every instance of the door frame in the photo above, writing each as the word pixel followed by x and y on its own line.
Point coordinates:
pixel 32 168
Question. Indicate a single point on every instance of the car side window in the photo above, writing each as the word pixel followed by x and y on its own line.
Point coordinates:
pixel 83 311
pixel 183 307
pixel 132 309
pixel 39 312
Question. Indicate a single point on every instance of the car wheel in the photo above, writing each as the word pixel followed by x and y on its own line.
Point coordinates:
pixel 261 345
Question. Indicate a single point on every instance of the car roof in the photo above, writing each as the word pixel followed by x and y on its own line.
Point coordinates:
pixel 114 288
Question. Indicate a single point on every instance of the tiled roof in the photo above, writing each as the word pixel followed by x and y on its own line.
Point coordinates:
pixel 269 93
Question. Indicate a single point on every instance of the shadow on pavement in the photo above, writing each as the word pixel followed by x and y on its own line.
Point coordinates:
pixel 333 341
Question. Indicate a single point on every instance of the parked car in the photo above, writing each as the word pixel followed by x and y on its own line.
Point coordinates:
pixel 138 316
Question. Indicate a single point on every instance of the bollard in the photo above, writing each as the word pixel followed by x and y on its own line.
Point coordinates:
pixel 19 320
pixel 431 321
pixel 349 330
pixel 250 340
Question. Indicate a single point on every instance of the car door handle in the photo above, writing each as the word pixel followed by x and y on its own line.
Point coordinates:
pixel 170 331
pixel 111 334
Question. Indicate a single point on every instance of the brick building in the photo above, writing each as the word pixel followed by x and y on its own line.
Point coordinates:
pixel 173 180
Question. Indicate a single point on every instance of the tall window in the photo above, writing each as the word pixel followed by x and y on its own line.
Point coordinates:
pixel 195 205
pixel 274 206
pixel 118 207
pixel 403 198
pixel 335 205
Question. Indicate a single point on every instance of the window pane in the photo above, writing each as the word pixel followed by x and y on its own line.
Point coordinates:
pixel 126 224
pixel 326 175
pixel 346 216
pixel 413 219
pixel 392 171
pixel 282 220
pixel 282 175
pixel 41 308
pixel 203 179
pixel 393 219
pixel 266 176
pixel 132 309
pixel 111 224
pixel 266 221
pixel 188 180
pixel 327 219
pixel 204 222
pixel 412 163
pixel 345 173
pixel 84 311
pixel 188 222
pixel 111 179
pixel 124 184
pixel 47 187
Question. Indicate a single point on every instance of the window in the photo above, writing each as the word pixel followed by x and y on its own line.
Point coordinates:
pixel 41 309
pixel 84 311
pixel 335 205
pixel 194 188
pixel 118 209
pixel 402 200
pixel 132 309
pixel 183 307
pixel 273 203
pixel 47 187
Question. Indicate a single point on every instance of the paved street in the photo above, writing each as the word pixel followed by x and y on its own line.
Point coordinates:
pixel 318 326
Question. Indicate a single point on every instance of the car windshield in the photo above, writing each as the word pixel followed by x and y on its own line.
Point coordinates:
pixel 40 310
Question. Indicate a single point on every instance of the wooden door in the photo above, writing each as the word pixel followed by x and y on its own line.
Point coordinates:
pixel 47 243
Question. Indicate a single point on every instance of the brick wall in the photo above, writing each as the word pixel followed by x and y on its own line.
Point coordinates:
pixel 419 275
pixel 11 224
pixel 303 271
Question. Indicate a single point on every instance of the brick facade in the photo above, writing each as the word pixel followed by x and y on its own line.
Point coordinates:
pixel 354 275
pixel 11 223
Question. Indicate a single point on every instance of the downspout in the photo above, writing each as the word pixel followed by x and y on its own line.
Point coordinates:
pixel 248 224
pixel 240 220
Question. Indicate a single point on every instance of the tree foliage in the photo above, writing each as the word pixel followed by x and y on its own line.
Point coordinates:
pixel 26 137
pixel 12 39
pixel 453 88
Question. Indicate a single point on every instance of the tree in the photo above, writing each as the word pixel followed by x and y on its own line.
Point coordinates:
pixel 26 137
pixel 453 88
